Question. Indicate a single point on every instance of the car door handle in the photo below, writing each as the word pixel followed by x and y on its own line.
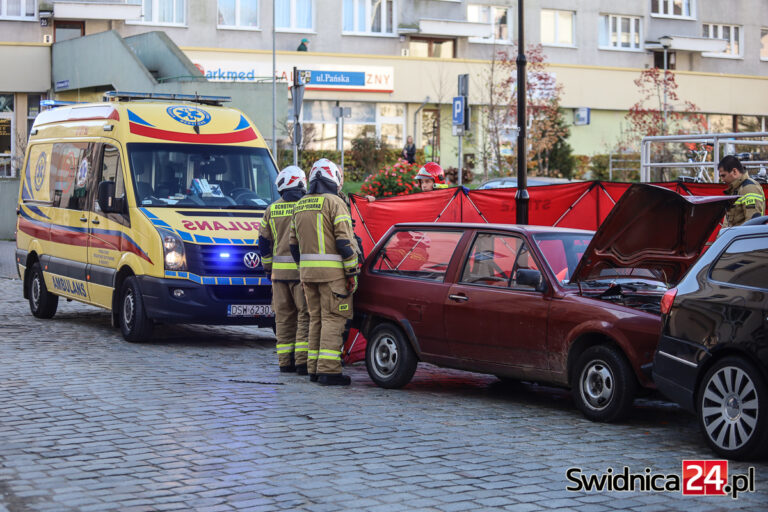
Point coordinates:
pixel 459 298
pixel 95 221
pixel 83 219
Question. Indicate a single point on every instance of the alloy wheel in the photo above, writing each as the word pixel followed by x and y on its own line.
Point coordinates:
pixel 729 408
pixel 129 308
pixel 35 292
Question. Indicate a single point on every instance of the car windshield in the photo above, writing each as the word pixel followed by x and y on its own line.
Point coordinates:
pixel 202 176
pixel 562 251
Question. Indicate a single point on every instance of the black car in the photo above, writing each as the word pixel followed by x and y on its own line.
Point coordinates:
pixel 712 357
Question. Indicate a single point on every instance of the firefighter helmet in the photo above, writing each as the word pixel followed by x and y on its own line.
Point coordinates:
pixel 431 171
pixel 324 168
pixel 290 177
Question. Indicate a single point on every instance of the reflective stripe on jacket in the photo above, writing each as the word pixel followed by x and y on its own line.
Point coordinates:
pixel 319 221
pixel 750 204
pixel 276 227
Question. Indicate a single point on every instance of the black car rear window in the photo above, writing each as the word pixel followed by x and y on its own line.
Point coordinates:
pixel 743 263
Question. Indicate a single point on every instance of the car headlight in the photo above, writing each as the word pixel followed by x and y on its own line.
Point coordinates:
pixel 173 251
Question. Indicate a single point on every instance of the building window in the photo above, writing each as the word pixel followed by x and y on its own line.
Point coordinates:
pixel 764 44
pixel 672 8
pixel 428 47
pixel 499 19
pixel 18 9
pixel 731 34
pixel 295 15
pixel 170 12
pixel 557 28
pixel 369 16
pixel 33 108
pixel 658 60
pixel 620 32
pixel 384 121
pixel 239 13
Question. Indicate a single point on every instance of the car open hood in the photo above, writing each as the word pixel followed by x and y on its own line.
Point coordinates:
pixel 652 228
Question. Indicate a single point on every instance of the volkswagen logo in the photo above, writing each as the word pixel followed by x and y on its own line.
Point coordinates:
pixel 251 260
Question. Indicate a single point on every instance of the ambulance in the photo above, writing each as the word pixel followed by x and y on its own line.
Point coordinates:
pixel 150 209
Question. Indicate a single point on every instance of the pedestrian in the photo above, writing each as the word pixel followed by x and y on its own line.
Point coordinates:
pixel 409 151
pixel 751 201
pixel 430 177
pixel 288 301
pixel 303 45
pixel 323 244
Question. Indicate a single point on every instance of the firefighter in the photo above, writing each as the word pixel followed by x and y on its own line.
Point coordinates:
pixel 751 201
pixel 323 244
pixel 288 301
pixel 431 177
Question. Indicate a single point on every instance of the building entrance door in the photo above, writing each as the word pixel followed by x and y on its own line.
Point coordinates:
pixel 430 134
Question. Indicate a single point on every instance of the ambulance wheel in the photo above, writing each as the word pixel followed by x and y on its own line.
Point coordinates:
pixel 389 358
pixel 133 318
pixel 42 303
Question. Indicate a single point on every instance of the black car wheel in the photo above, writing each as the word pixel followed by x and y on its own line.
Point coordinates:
pixel 389 358
pixel 42 303
pixel 732 410
pixel 604 387
pixel 133 318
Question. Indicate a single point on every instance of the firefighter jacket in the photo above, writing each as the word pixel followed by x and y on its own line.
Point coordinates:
pixel 322 239
pixel 750 204
pixel 274 246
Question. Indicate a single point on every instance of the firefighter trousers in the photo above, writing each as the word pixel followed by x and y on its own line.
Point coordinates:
pixel 291 322
pixel 330 306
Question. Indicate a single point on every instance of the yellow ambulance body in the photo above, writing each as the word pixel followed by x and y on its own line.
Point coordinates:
pixel 148 209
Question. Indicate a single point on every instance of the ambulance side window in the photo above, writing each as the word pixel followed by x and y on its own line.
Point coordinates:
pixel 71 165
pixel 111 170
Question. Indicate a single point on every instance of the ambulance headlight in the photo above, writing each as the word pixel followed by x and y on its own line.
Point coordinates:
pixel 173 251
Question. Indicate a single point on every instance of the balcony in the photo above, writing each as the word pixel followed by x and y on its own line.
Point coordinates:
pixel 97 9
pixel 453 28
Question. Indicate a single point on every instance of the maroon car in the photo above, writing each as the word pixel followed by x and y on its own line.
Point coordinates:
pixel 567 307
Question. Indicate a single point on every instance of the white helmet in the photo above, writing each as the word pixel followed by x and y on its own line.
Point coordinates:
pixel 326 169
pixel 290 177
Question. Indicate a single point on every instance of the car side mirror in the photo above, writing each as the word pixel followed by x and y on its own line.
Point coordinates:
pixel 532 278
pixel 106 197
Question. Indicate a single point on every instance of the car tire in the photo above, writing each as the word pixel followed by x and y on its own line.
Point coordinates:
pixel 732 406
pixel 42 303
pixel 389 358
pixel 604 386
pixel 134 323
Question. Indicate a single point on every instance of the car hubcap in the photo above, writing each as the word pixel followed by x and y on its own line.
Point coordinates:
pixel 128 308
pixel 36 291
pixel 597 384
pixel 729 408
pixel 385 356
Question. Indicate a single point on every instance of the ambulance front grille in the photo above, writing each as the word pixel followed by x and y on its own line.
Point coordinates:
pixel 222 260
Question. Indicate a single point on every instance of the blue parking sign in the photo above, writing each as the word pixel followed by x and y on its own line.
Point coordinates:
pixel 459 106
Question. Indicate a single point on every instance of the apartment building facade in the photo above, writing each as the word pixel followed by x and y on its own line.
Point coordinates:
pixel 395 62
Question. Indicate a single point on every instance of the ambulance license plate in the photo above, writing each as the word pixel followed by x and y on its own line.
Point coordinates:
pixel 249 310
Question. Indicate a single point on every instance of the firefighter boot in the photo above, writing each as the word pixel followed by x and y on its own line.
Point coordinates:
pixel 333 379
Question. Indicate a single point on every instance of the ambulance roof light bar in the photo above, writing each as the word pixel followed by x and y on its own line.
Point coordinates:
pixel 195 98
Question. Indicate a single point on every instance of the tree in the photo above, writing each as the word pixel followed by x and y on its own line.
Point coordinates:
pixel 545 124
pixel 646 117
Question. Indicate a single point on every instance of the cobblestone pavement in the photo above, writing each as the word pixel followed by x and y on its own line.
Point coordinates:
pixel 201 420
pixel 7 262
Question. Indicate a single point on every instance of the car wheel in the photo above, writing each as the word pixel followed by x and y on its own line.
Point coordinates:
pixel 732 410
pixel 42 303
pixel 133 318
pixel 605 386
pixel 389 358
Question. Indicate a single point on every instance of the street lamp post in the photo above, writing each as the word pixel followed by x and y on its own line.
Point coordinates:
pixel 521 197
pixel 665 42
pixel 274 85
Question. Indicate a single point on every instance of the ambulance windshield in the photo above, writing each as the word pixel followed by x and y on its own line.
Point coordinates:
pixel 202 176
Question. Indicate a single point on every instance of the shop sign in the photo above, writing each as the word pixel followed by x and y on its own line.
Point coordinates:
pixel 316 77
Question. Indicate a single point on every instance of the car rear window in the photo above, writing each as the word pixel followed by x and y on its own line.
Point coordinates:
pixel 744 263
pixel 419 254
